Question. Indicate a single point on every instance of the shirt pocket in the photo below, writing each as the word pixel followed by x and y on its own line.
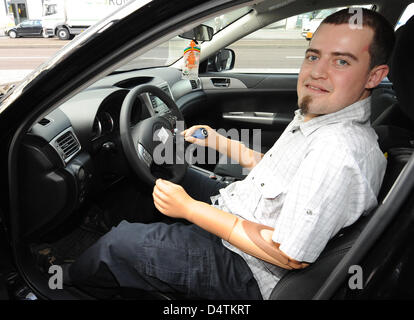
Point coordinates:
pixel 270 202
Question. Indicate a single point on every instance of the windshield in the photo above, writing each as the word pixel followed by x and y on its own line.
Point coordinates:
pixel 170 51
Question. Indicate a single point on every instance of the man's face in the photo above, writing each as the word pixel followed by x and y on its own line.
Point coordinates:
pixel 335 71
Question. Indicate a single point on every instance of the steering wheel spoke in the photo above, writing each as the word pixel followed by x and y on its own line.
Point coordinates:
pixel 135 133
pixel 144 155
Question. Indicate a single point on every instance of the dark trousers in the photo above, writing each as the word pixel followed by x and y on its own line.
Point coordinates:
pixel 169 258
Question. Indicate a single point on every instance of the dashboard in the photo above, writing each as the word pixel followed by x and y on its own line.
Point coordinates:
pixel 75 151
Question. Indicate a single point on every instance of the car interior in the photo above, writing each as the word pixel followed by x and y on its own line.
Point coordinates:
pixel 80 174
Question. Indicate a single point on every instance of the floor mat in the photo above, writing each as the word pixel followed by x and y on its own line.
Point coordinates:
pixel 66 250
pixel 70 247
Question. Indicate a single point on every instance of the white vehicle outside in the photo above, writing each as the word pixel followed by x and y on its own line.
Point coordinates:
pixel 310 23
pixel 67 18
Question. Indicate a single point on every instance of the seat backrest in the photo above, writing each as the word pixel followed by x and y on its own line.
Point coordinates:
pixel 382 98
pixel 395 126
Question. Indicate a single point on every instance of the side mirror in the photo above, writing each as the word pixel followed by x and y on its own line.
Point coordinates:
pixel 199 33
pixel 223 60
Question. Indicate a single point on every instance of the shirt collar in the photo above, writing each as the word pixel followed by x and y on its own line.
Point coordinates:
pixel 358 112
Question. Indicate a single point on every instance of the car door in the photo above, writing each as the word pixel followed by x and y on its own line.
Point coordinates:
pixel 37 27
pixel 25 28
pixel 6 267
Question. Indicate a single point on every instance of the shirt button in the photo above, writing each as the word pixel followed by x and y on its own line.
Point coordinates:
pixel 309 212
pixel 270 155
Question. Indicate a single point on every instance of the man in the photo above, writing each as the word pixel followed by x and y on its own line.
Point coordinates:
pixel 320 176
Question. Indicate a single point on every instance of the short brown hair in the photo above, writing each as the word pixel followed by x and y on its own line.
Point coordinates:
pixel 384 37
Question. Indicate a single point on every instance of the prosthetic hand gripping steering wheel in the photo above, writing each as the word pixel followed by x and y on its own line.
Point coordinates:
pixel 138 141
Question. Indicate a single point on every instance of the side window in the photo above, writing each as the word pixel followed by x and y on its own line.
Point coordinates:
pixel 280 47
pixel 25 24
pixel 408 13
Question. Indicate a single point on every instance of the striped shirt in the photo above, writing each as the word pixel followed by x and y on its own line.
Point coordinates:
pixel 319 177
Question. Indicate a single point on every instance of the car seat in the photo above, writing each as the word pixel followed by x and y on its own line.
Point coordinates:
pixel 395 126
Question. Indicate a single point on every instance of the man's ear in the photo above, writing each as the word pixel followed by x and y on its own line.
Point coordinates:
pixel 376 75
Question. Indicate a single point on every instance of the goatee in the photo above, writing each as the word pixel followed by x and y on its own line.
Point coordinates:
pixel 304 105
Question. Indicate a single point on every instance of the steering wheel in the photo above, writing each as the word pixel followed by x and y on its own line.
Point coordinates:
pixel 139 141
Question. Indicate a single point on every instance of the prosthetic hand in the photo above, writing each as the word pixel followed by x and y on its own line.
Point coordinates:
pixel 200 133
pixel 233 149
pixel 250 237
pixel 210 138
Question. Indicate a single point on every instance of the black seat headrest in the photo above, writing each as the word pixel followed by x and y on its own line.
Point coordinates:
pixel 402 68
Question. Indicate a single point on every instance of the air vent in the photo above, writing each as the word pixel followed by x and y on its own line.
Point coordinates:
pixel 44 122
pixel 66 145
pixel 166 90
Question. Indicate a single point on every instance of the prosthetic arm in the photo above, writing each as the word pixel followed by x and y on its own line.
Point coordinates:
pixel 233 149
pixel 250 237
pixel 253 238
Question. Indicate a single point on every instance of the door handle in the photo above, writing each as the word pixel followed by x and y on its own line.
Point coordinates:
pixel 221 82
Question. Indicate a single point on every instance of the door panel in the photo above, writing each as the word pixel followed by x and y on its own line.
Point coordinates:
pixel 250 104
pixel 265 102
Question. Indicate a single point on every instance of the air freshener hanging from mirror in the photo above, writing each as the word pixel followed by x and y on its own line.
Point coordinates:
pixel 191 61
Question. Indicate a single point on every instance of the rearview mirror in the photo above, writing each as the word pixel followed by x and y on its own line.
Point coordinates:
pixel 199 33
